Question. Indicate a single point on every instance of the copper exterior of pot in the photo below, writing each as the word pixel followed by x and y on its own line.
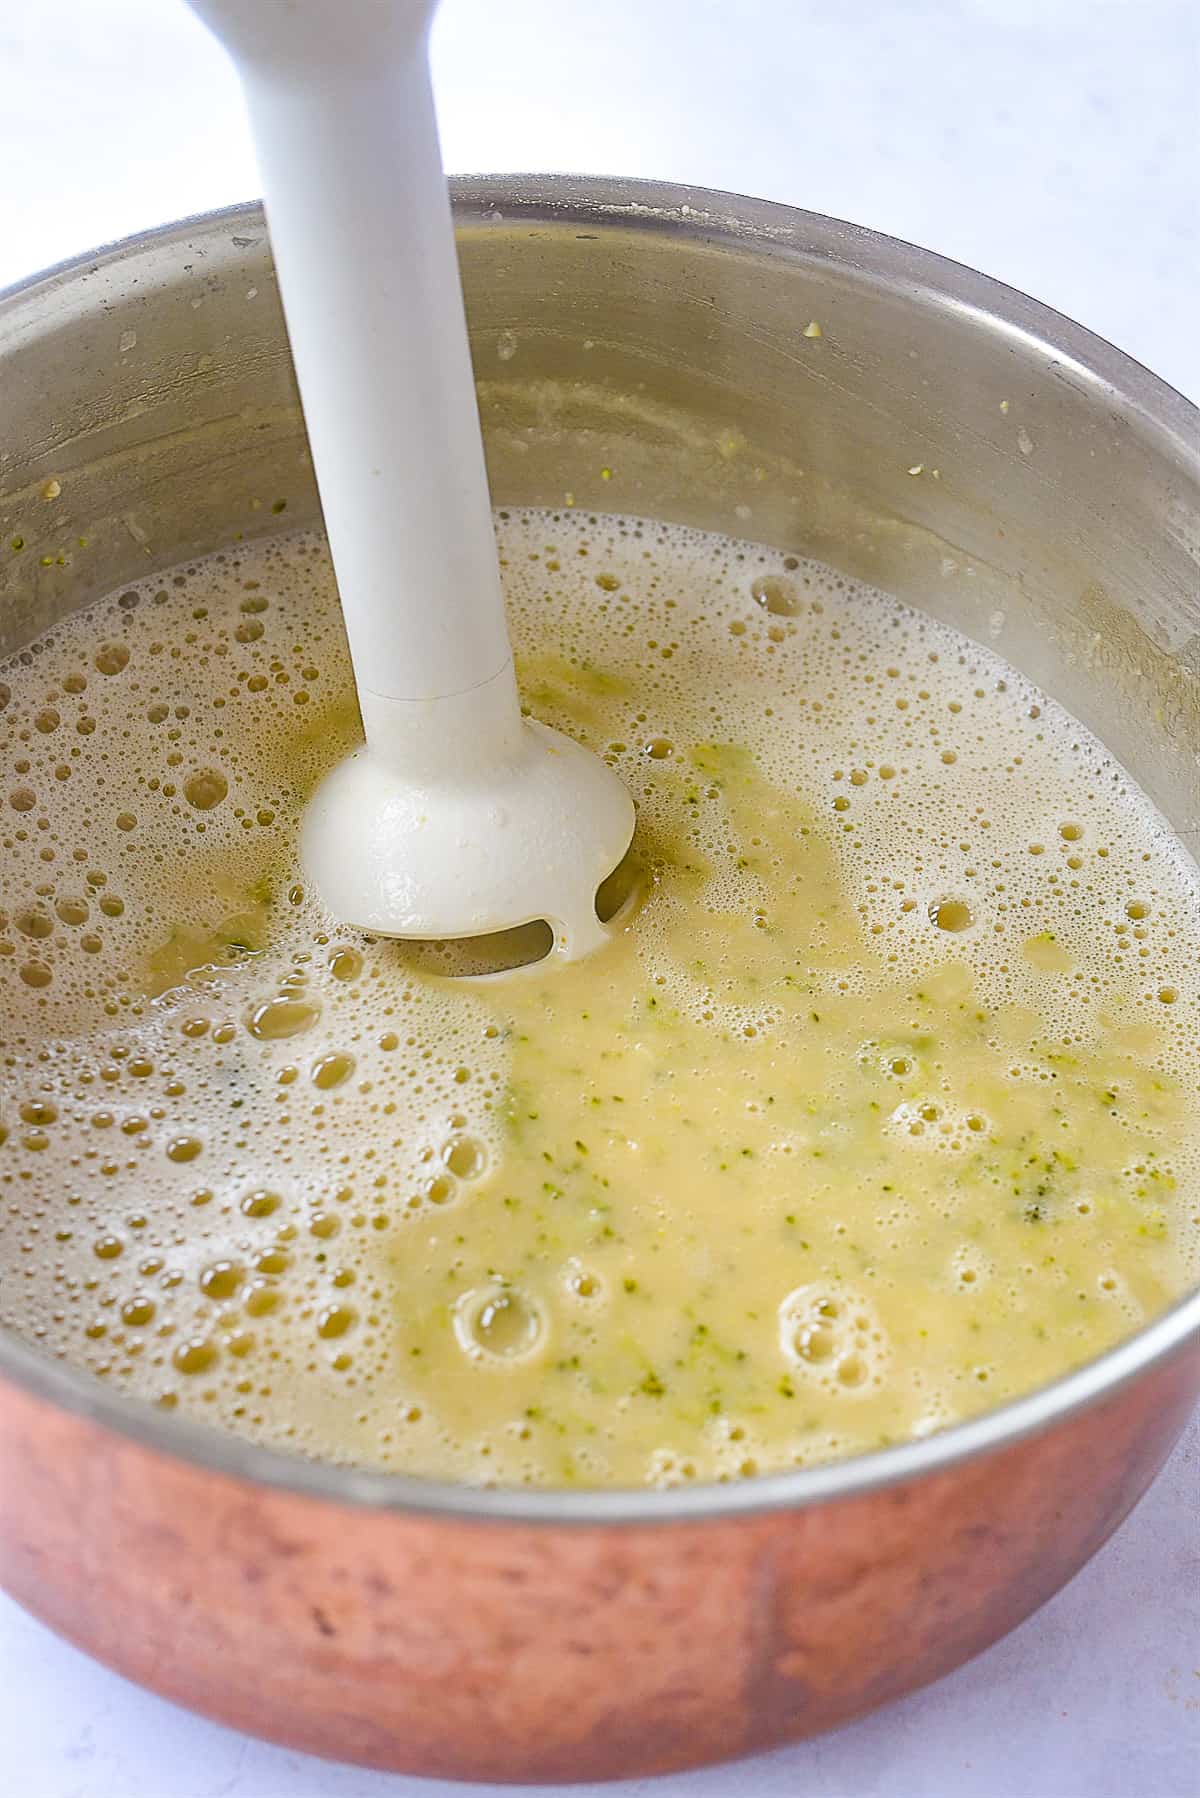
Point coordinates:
pixel 532 1651
pixel 658 334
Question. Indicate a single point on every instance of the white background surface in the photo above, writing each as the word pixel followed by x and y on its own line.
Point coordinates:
pixel 1053 143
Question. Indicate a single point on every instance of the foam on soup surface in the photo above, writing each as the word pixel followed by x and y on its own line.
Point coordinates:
pixel 881 1108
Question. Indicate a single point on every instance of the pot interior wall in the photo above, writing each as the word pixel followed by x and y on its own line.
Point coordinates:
pixel 642 354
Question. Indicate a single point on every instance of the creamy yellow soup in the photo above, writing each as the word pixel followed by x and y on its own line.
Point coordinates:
pixel 880 1108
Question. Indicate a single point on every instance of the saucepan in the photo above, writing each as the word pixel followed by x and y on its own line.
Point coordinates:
pixel 746 368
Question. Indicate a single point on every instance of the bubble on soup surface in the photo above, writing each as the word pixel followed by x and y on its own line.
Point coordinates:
pixel 184 1148
pixel 331 1071
pixel 260 1202
pixel 275 1019
pixel 499 1323
pixel 334 1321
pixel 221 1279
pixel 110 658
pixel 953 915
pixel 777 594
pixel 196 1354
pixel 465 1157
pixel 205 789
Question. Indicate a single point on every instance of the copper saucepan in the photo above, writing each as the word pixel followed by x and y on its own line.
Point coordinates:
pixel 664 335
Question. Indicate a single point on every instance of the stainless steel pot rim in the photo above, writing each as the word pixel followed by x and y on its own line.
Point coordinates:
pixel 542 201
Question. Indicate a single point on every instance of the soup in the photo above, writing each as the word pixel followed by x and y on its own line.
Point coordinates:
pixel 880 1107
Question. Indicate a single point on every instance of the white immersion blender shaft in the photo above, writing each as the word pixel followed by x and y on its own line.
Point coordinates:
pixel 342 111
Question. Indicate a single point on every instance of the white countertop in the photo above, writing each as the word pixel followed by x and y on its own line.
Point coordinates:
pixel 1053 143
